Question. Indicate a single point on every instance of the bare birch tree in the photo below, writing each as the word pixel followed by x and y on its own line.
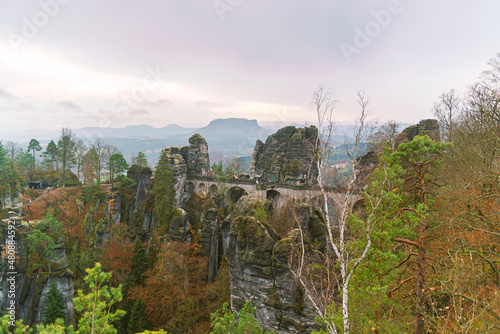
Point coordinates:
pixel 321 288
pixel 446 111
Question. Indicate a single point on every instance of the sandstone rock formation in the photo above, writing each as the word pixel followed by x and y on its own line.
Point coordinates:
pixel 31 288
pixel 196 156
pixel 260 272
pixel 192 160
pixel 287 156
pixel 428 127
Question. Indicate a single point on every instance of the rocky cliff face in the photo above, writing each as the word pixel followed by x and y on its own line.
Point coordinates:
pixel 287 156
pixel 30 289
pixel 260 272
pixel 192 160
pixel 179 169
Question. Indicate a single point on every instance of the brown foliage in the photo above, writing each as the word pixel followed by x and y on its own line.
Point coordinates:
pixel 177 281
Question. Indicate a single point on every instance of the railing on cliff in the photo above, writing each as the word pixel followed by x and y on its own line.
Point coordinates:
pixel 262 185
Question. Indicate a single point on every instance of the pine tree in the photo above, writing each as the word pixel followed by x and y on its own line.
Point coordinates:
pixel 97 309
pixel 35 146
pixel 54 307
pixel 139 263
pixel 164 193
pixel 138 322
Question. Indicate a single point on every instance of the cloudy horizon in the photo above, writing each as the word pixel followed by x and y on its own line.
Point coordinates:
pixel 117 63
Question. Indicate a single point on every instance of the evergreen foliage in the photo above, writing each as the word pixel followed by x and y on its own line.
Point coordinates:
pixel 17 328
pixel 138 322
pixel 164 193
pixel 43 237
pixel 96 309
pixel 226 322
pixel 54 307
pixel 56 328
pixel 50 156
pixel 140 160
pixel 116 166
pixel 34 145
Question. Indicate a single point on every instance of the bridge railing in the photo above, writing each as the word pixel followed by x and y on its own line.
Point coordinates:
pixel 264 185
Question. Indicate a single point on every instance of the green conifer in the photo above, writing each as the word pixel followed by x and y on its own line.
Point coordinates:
pixel 54 305
pixel 164 193
pixel 138 322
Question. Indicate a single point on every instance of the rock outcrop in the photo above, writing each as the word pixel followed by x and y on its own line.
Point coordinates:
pixel 368 161
pixel 211 243
pixel 142 179
pixel 428 127
pixel 192 160
pixel 288 156
pixel 196 156
pixel 179 170
pixel 260 272
pixel 30 286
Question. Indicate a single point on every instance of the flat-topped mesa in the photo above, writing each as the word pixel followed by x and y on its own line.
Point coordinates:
pixel 288 156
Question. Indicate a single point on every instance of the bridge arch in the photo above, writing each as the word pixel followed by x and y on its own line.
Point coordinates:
pixel 202 189
pixel 212 190
pixel 234 194
pixel 274 196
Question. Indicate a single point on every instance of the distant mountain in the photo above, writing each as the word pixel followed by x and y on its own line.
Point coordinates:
pixel 228 136
pixel 234 128
pixel 138 131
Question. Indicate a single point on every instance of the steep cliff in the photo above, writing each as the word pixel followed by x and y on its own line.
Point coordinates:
pixel 29 292
pixel 260 271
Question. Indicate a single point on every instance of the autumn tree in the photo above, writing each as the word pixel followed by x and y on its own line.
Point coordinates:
pixel 173 288
pixel 466 270
pixel 90 166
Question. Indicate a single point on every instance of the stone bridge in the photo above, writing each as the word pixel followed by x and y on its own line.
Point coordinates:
pixel 279 193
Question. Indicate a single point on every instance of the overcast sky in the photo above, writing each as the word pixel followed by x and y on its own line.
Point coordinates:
pixel 114 63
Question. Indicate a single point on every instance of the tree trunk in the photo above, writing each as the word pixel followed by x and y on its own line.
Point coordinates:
pixel 420 309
